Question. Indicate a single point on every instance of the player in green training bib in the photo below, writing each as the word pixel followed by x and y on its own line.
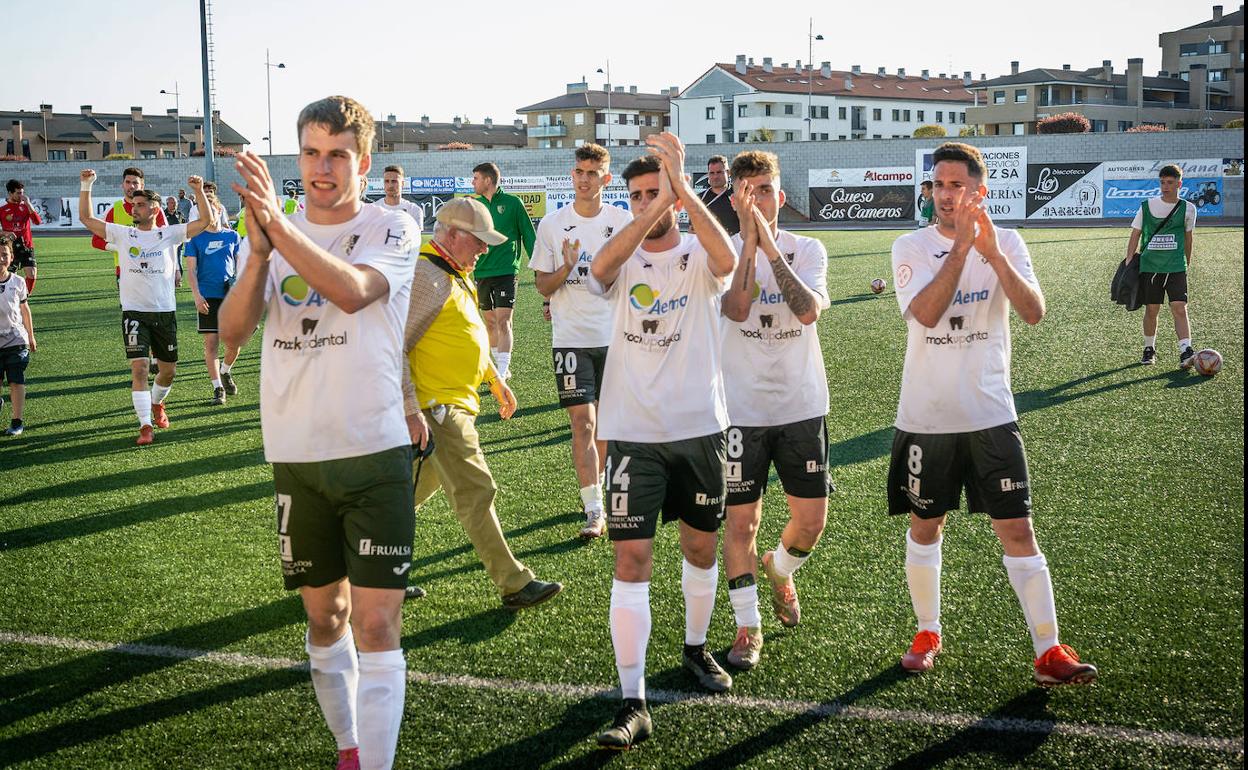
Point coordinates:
pixel 1166 235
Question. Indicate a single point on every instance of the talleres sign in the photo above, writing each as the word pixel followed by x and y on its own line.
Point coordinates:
pixel 881 194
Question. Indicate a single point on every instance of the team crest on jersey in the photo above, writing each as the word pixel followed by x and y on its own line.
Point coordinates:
pixel 501 208
pixel 353 239
pixel 684 261
pixel 789 257
pixel 606 231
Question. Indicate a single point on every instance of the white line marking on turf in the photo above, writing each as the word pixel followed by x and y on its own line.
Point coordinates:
pixel 833 710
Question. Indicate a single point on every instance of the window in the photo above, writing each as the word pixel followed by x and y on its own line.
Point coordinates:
pixel 578 119
pixel 741 110
pixel 1189 49
pixel 841 137
pixel 710 139
pixel 543 120
pixel 823 137
pixel 788 109
pixel 919 115
pixel 963 118
pixel 147 154
pixel 905 116
pixel 710 113
pixel 1185 76
pixel 543 144
pixel 559 143
pixel 788 136
pixel 741 136
pixel 1217 46
pixel 1020 129
pixel 877 114
pixel 56 155
pixel 80 154
pixel 1020 95
pixel 121 147
pixel 1217 76
pixel 600 118
pixel 823 112
pixel 896 115
pixel 8 147
pixel 840 113
pixel 1123 125
pixel 1100 126
pixel 940 116
pixel 998 97
pixel 580 142
pixel 876 136
pixel 767 110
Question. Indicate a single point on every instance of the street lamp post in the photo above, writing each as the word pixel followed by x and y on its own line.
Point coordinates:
pixel 608 74
pixel 811 37
pixel 177 111
pixel 268 90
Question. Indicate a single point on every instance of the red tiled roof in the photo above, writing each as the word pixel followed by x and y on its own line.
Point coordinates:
pixel 790 80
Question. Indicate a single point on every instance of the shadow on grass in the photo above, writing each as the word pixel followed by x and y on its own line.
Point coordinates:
pixel 584 717
pixel 855 298
pixel 459 550
pixel 29 693
pixel 563 429
pixel 989 736
pixel 139 513
pixel 791 728
pixel 490 415
pixel 481 627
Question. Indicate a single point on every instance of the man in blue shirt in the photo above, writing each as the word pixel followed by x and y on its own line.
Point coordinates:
pixel 210 266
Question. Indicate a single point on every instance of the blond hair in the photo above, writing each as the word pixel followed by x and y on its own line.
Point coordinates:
pixel 752 163
pixel 338 114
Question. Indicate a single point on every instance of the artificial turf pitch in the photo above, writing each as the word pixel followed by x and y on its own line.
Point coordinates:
pixel 1138 487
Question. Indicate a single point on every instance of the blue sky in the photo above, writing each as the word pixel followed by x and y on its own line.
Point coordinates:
pixel 485 59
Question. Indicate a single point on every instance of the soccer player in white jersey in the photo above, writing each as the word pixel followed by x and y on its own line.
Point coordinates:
pixel 567 241
pixel 662 415
pixel 334 283
pixel 392 183
pixel 956 423
pixel 777 393
pixel 148 271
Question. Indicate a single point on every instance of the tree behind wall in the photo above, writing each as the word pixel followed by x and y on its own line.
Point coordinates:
pixel 930 131
pixel 1065 123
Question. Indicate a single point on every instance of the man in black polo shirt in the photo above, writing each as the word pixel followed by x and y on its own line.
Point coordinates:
pixel 718 195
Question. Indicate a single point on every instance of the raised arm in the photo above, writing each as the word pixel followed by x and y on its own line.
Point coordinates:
pixel 931 303
pixel 735 304
pixel 350 288
pixel 206 212
pixel 722 258
pixel 89 220
pixel 800 298
pixel 244 304
pixel 616 251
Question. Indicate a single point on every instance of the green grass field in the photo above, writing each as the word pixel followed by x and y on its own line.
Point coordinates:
pixel 119 566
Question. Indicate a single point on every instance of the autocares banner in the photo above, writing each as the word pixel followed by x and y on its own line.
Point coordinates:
pixel 880 194
pixel 1006 182
pixel 1127 183
pixel 559 193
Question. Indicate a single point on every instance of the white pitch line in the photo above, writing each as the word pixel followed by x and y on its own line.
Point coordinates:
pixel 834 710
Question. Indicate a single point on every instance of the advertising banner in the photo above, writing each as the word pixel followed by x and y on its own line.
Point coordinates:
pixel 1123 196
pixel 861 194
pixel 1006 182
pixel 559 193
pixel 1206 168
pixel 1065 191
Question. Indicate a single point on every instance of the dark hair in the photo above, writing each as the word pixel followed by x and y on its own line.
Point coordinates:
pixel 926 185
pixel 488 170
pixel 396 169
pixel 151 195
pixel 209 187
pixel 752 163
pixel 720 159
pixel 132 171
pixel 593 152
pixel 7 239
pixel 14 185
pixel 646 164
pixel 1171 170
pixel 964 153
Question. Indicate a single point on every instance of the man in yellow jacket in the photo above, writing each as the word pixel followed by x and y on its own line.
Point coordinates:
pixel 448 353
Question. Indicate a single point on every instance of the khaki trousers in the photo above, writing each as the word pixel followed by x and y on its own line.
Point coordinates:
pixel 457 465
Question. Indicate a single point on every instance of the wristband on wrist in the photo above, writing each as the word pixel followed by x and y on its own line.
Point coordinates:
pixel 86 186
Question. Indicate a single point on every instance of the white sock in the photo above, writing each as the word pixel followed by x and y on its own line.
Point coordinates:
pixel 1030 577
pixel 698 586
pixel 1185 343
pixel 784 563
pixel 1150 342
pixel 142 405
pixel 216 383
pixel 502 361
pixel 225 368
pixel 335 671
pixel 630 634
pixel 379 704
pixel 591 496
pixel 159 392
pixel 745 606
pixel 923 578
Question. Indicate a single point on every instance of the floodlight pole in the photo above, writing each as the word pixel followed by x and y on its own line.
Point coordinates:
pixel 210 172
pixel 811 37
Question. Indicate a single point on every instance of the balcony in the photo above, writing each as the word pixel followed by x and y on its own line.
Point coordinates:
pixel 547 132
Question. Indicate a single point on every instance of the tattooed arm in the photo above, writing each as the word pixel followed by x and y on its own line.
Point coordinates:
pixel 803 301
